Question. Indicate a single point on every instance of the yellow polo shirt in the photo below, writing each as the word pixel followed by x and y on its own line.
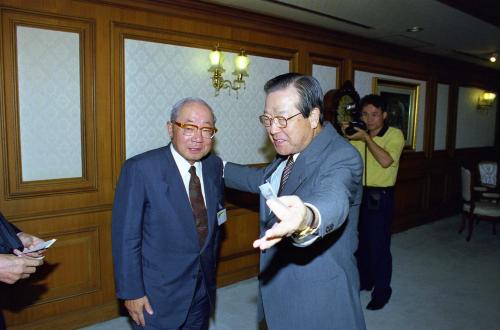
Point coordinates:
pixel 391 139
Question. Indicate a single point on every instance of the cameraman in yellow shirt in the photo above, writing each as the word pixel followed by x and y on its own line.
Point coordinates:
pixel 380 147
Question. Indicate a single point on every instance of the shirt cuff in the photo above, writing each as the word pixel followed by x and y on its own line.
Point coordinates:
pixel 308 240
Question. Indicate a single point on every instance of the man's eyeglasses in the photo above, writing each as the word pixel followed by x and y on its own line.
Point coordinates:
pixel 190 130
pixel 279 121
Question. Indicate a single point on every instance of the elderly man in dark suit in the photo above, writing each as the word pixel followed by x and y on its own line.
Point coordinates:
pixel 308 275
pixel 166 217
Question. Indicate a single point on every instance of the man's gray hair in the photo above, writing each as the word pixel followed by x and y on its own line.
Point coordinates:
pixel 174 113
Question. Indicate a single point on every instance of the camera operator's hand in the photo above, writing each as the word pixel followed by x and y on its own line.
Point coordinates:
pixel 343 126
pixel 381 156
pixel 360 135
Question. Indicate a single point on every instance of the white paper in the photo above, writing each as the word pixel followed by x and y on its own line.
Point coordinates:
pixel 267 191
pixel 40 246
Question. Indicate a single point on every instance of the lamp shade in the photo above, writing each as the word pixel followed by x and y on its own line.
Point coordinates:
pixel 216 57
pixel 488 96
pixel 241 62
pixel 485 100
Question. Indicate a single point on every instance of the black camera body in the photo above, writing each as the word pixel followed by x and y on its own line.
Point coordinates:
pixel 342 106
pixel 355 121
pixel 350 130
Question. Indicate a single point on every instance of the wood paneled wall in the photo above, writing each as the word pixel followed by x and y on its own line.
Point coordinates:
pixel 75 286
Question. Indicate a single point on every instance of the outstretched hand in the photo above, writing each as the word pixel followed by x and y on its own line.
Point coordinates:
pixel 291 218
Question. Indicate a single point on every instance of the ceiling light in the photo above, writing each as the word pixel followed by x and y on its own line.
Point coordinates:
pixel 414 29
pixel 493 58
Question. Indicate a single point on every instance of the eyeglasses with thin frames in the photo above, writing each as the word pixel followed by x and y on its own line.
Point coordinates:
pixel 191 129
pixel 279 121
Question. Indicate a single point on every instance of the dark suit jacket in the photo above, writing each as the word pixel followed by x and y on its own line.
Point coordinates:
pixel 8 237
pixel 313 287
pixel 155 244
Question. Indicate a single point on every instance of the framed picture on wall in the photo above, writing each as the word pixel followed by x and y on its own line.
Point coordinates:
pixel 402 106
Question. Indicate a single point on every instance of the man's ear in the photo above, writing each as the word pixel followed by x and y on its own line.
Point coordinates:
pixel 314 118
pixel 384 115
pixel 170 129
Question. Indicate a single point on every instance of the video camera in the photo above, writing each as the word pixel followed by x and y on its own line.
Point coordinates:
pixel 355 121
pixel 343 106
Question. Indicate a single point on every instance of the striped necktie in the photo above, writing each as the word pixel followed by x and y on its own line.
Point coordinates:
pixel 286 173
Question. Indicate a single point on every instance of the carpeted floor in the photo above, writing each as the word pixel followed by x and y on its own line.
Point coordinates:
pixel 440 282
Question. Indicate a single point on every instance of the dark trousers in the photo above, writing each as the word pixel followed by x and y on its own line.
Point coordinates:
pixel 374 250
pixel 199 312
pixel 2 322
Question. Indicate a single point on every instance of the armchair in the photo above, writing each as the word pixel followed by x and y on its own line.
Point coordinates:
pixel 475 208
pixel 488 179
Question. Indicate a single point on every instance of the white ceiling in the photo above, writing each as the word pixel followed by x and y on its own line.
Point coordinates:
pixel 446 31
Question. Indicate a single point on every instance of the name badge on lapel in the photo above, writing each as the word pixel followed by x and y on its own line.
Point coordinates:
pixel 221 216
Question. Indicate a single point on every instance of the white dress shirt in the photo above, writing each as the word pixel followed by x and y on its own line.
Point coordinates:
pixel 183 165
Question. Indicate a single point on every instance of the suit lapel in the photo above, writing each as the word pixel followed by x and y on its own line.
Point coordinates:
pixel 210 184
pixel 176 193
pixel 303 167
pixel 305 162
pixel 272 167
pixel 297 176
pixel 268 215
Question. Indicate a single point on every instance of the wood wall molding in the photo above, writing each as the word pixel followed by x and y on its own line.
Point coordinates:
pixel 77 273
pixel 74 319
pixel 333 61
pixel 15 186
pixel 391 68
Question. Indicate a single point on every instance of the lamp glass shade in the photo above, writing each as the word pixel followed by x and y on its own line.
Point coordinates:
pixel 216 58
pixel 241 63
pixel 487 96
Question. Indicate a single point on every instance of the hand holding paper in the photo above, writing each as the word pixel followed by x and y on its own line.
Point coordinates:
pixel 40 246
pixel 291 212
pixel 35 250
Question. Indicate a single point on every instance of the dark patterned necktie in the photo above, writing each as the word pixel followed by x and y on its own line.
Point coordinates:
pixel 198 205
pixel 286 173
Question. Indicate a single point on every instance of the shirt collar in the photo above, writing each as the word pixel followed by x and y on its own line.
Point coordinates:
pixel 182 164
pixel 383 130
pixel 285 158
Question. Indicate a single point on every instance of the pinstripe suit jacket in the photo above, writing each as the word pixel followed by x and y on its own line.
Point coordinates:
pixel 313 287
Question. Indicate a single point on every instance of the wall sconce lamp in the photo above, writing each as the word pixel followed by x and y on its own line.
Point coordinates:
pixel 217 69
pixel 485 100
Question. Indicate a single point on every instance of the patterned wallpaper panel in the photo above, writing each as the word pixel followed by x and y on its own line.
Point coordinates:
pixel 49 103
pixel 474 128
pixel 326 75
pixel 363 85
pixel 157 75
pixel 441 117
